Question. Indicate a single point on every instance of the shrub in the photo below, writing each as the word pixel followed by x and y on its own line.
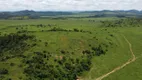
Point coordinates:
pixel 76 30
pixel 3 71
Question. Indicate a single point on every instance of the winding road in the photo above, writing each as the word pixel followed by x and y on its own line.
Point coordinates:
pixel 123 65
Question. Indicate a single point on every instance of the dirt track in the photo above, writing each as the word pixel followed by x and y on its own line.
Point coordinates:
pixel 123 65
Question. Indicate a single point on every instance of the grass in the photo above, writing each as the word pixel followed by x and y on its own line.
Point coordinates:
pixel 117 54
pixel 134 70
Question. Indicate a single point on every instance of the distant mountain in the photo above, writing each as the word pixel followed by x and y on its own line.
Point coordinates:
pixel 25 12
pixel 5 15
pixel 115 11
pixel 36 14
pixel 31 14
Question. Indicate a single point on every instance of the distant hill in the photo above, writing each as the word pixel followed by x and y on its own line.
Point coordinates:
pixel 31 14
pixel 36 14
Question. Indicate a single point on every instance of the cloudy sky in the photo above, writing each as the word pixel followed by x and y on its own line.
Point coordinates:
pixel 69 5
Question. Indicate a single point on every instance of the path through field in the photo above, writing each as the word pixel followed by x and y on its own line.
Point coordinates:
pixel 122 66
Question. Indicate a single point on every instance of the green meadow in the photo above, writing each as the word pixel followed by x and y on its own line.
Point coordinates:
pixel 70 49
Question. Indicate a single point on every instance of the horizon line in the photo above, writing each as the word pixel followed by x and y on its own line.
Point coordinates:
pixel 67 10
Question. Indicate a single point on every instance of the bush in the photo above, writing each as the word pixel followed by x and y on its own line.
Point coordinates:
pixel 3 71
pixel 63 52
pixel 76 30
pixel 98 50
pixel 86 52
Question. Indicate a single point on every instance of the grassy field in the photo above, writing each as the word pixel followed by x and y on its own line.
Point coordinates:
pixel 97 43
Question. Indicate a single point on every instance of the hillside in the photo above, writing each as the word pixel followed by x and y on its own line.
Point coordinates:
pixel 70 49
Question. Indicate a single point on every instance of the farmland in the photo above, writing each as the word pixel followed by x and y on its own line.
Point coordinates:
pixel 70 48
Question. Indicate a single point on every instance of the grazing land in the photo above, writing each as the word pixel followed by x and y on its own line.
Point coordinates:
pixel 71 48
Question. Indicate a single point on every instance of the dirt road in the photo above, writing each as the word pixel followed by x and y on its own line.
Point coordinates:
pixel 123 65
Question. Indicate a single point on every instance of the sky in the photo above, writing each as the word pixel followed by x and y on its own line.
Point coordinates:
pixel 69 5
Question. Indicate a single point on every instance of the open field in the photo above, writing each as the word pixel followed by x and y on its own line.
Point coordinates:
pixel 70 49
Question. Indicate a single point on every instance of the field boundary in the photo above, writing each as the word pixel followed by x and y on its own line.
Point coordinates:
pixel 123 65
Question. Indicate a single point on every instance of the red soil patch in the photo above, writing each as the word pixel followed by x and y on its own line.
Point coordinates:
pixel 61 57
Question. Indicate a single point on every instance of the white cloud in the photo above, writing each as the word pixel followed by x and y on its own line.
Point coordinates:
pixel 66 5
